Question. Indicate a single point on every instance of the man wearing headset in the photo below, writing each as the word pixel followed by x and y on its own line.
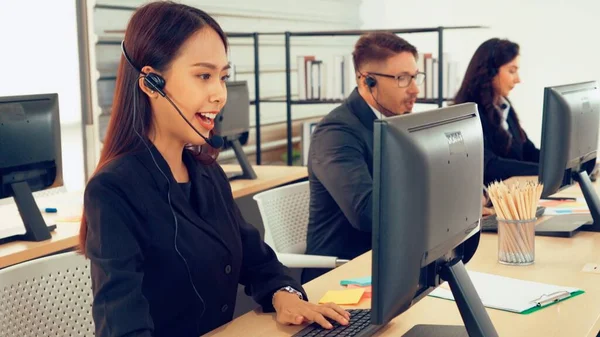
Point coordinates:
pixel 340 163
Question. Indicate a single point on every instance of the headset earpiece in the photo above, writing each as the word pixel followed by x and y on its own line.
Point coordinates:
pixel 155 82
pixel 370 81
pixel 493 70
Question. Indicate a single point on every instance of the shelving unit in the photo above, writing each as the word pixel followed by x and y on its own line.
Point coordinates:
pixel 290 102
pixel 91 91
pixel 256 100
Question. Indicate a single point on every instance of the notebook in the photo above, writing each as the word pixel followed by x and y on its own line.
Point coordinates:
pixel 509 294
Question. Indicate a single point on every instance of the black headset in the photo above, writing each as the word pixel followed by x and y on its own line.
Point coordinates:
pixel 153 81
pixel 370 81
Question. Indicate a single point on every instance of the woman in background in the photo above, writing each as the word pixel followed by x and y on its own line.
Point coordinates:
pixel 491 75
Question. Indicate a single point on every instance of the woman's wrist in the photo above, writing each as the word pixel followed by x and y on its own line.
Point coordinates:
pixel 285 291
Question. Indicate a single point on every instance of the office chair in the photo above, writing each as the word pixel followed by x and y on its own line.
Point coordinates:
pixel 50 296
pixel 284 212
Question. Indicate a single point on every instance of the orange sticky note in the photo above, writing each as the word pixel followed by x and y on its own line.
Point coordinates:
pixel 348 296
pixel 368 290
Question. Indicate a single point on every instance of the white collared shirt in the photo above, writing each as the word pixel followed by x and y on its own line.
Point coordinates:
pixel 377 113
pixel 504 112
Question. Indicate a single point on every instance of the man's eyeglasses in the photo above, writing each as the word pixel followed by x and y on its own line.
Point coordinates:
pixel 404 80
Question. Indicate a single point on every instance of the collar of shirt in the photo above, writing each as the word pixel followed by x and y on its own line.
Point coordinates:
pixel 504 103
pixel 377 113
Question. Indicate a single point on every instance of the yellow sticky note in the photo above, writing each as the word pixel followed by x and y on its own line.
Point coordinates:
pixel 348 296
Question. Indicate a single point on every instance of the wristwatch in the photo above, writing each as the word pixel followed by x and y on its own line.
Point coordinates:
pixel 289 290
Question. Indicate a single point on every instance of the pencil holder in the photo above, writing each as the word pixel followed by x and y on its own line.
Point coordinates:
pixel 516 242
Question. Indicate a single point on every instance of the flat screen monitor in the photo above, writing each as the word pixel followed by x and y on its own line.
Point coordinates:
pixel 427 174
pixel 30 155
pixel 570 124
pixel 233 124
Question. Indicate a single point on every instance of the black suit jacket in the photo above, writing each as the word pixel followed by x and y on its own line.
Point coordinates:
pixel 340 171
pixel 140 282
pixel 521 160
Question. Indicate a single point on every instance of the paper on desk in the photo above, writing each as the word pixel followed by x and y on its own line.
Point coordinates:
pixel 348 296
pixel 72 218
pixel 11 223
pixel 69 205
pixel 559 207
pixel 591 268
pixel 505 293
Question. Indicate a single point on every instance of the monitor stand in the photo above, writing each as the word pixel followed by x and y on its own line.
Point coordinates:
pixel 568 224
pixel 426 330
pixel 35 226
pixel 592 200
pixel 247 170
pixel 476 320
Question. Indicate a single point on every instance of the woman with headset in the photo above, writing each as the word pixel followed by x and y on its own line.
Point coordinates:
pixel 492 73
pixel 167 243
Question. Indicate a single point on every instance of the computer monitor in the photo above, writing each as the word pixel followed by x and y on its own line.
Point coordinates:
pixel 30 155
pixel 233 124
pixel 570 124
pixel 427 174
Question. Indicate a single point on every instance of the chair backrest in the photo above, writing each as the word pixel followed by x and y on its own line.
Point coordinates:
pixel 284 212
pixel 51 296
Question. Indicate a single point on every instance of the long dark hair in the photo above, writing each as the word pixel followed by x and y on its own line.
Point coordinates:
pixel 477 87
pixel 154 35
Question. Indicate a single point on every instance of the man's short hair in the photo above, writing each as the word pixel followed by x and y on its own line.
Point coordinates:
pixel 379 46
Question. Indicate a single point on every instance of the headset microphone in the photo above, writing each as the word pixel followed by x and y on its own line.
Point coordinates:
pixel 156 82
pixel 215 141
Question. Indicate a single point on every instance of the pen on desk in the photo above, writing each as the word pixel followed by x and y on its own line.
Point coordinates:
pixel 552 298
pixel 560 198
pixel 50 210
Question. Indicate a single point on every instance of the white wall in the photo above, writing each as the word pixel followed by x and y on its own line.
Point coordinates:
pixel 38 54
pixel 558 39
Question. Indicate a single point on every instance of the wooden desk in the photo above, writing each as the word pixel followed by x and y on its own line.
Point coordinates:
pixel 558 261
pixel 66 234
pixel 267 178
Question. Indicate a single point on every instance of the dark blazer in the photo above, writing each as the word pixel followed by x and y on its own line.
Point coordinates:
pixel 140 279
pixel 340 171
pixel 521 160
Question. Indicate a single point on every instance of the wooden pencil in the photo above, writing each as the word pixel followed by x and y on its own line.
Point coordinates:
pixel 515 207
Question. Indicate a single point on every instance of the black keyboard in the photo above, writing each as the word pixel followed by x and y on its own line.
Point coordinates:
pixel 490 223
pixel 360 320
